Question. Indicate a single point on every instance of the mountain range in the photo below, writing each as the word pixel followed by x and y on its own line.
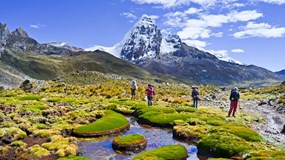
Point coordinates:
pixel 143 53
pixel 145 46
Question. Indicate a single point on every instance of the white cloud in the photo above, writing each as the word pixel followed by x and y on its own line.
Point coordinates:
pixel 153 16
pixel 175 3
pixel 279 2
pixel 129 15
pixel 219 19
pixel 219 34
pixel 237 50
pixel 37 26
pixel 194 32
pixel 245 15
pixel 192 10
pixel 34 26
pixel 163 3
pixel 196 43
pixel 201 28
pixel 205 4
pixel 264 30
pixel 177 18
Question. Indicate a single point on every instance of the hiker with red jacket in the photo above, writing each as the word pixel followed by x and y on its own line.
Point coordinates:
pixel 149 93
pixel 234 97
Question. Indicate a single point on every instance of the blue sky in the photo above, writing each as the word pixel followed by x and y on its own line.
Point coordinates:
pixel 252 31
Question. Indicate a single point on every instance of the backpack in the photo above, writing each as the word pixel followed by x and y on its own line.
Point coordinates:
pixel 134 85
pixel 150 91
pixel 234 96
pixel 195 94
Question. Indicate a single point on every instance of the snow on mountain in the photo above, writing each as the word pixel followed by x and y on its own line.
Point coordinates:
pixel 170 44
pixel 64 45
pixel 223 55
pixel 145 40
pixel 57 44
pixel 114 50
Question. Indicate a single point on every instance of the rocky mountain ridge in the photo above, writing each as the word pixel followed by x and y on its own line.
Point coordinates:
pixel 282 72
pixel 145 41
pixel 145 46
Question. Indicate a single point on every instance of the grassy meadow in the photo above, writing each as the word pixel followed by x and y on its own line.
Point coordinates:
pixel 39 124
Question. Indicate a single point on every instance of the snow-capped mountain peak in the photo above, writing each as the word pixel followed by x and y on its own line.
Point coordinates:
pixel 64 45
pixel 145 41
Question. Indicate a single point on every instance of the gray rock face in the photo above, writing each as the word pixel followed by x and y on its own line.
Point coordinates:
pixel 4 33
pixel 199 67
pixel 20 32
pixel 65 46
pixel 145 46
pixel 142 41
pixel 20 43
pixel 19 40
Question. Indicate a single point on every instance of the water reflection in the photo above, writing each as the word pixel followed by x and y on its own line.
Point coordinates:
pixel 101 148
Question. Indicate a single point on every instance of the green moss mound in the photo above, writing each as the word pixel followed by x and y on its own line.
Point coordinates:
pixel 240 131
pixel 265 154
pixel 186 109
pixel 129 139
pixel 111 122
pixel 173 152
pixel 133 142
pixel 30 97
pixel 224 145
pixel 36 109
pixel 163 119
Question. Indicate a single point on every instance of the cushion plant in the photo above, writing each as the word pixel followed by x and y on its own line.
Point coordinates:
pixel 131 142
pixel 110 123
pixel 173 152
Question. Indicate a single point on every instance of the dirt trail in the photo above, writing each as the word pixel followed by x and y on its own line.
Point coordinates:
pixel 267 121
pixel 271 125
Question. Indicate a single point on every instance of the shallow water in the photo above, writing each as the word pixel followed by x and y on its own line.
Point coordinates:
pixel 101 148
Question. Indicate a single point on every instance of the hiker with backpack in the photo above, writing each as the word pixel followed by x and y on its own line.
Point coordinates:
pixel 195 96
pixel 234 97
pixel 149 93
pixel 134 87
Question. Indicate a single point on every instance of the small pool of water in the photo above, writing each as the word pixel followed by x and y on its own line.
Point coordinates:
pixel 101 148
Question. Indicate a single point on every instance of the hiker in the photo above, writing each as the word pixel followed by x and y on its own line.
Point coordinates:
pixel 149 93
pixel 134 87
pixel 195 96
pixel 234 97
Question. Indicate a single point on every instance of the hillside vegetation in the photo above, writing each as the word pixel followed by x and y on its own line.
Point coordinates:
pixel 49 67
pixel 39 124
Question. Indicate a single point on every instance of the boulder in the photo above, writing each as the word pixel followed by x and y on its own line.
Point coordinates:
pixel 26 85
pixel 270 102
pixel 283 130
pixel 261 103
